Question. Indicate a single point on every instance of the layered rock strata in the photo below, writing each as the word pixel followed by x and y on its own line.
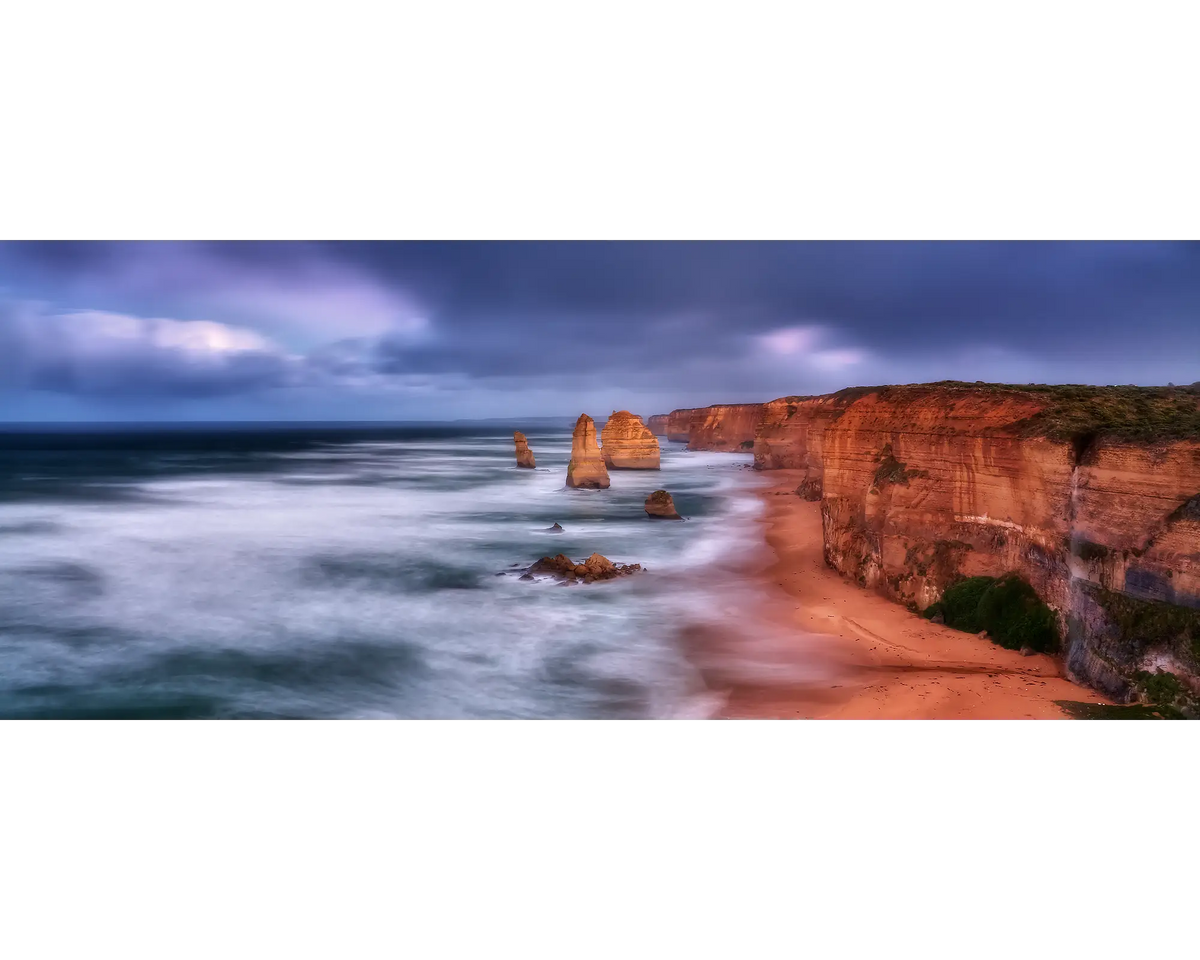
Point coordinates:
pixel 728 427
pixel 1091 495
pixel 586 468
pixel 679 425
pixel 627 444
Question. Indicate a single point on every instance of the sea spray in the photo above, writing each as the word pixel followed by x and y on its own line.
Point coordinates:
pixel 284 573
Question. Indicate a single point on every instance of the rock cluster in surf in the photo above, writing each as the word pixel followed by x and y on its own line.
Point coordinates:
pixel 595 567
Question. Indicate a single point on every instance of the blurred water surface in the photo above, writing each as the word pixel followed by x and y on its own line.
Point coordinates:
pixel 344 572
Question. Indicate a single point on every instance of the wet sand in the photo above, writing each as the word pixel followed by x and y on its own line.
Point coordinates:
pixel 822 647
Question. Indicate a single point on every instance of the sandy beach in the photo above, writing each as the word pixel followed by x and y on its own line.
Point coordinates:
pixel 825 648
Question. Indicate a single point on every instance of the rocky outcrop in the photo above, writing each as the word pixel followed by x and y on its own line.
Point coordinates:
pixel 679 425
pixel 595 567
pixel 657 424
pixel 659 505
pixel 524 454
pixel 586 468
pixel 725 427
pixel 626 443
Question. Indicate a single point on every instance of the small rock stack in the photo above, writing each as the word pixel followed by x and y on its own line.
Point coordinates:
pixel 524 454
pixel 660 506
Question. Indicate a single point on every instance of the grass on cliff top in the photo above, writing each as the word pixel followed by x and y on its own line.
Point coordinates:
pixel 1074 411
pixel 1008 608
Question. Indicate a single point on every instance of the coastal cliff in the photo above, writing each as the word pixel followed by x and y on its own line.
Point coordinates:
pixel 1090 494
pixel 657 424
pixel 627 444
pixel 726 426
pixel 679 424
pixel 791 435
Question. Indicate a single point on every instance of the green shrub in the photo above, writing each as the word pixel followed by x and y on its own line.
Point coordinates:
pixel 1008 608
pixel 1159 687
pixel 1151 623
pixel 1079 710
pixel 1014 616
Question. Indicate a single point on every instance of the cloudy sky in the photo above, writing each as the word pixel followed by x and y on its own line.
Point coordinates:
pixel 165 331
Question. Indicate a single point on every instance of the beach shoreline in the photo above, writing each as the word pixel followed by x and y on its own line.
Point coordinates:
pixel 821 647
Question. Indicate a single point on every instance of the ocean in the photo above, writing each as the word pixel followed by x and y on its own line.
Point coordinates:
pixel 273 571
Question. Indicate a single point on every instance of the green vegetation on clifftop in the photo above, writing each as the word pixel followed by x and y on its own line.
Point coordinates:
pixel 1072 411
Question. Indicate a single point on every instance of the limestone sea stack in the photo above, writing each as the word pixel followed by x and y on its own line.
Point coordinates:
pixel 660 506
pixel 627 444
pixel 586 468
pixel 524 454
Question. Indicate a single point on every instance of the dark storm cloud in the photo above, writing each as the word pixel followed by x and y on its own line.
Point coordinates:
pixel 906 296
pixel 692 321
pixel 114 355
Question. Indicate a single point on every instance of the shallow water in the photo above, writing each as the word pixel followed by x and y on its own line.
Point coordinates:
pixel 346 573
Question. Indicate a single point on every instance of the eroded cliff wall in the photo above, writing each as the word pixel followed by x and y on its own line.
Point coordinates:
pixel 791 435
pixel 679 424
pixel 657 424
pixel 728 427
pixel 922 485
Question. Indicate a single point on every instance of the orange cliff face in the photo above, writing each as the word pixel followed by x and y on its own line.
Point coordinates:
pixel 922 485
pixel 657 424
pixel 679 425
pixel 790 437
pixel 726 427
pixel 626 443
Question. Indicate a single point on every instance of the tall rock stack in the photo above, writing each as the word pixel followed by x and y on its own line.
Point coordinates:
pixel 524 454
pixel 628 444
pixel 586 468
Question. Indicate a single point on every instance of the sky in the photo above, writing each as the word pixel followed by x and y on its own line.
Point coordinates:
pixel 428 331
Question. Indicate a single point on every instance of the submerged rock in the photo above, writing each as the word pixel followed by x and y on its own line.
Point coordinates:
pixel 595 567
pixel 557 528
pixel 660 506
pixel 524 454
pixel 586 468
pixel 627 444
